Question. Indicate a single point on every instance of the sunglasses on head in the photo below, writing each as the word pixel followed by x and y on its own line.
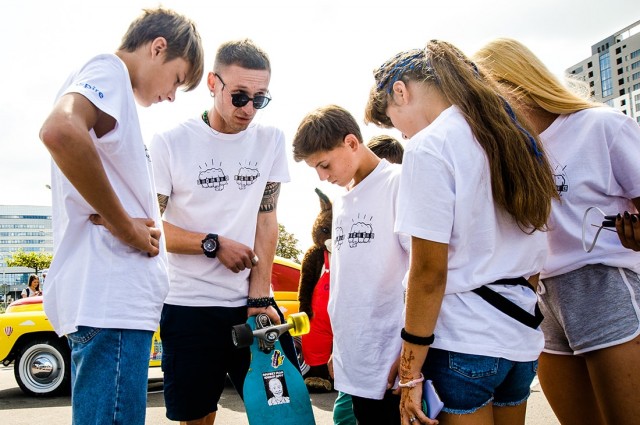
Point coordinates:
pixel 241 99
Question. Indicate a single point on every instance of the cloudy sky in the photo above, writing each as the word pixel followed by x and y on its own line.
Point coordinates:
pixel 321 52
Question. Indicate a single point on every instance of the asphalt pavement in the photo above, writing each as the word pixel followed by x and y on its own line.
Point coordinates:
pixel 18 409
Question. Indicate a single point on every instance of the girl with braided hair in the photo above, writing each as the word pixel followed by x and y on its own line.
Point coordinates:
pixel 475 196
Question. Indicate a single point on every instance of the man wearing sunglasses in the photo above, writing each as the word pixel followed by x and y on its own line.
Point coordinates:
pixel 218 178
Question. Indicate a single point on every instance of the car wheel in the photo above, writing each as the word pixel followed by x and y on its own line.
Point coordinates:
pixel 43 367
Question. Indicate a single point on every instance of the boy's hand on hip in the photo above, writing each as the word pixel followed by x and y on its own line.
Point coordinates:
pixel 141 234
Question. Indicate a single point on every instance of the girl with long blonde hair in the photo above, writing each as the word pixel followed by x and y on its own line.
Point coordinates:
pixel 590 367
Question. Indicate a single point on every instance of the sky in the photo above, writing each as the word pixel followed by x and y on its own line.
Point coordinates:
pixel 322 52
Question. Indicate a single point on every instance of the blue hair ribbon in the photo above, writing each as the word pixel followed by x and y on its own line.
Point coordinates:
pixel 398 69
pixel 532 141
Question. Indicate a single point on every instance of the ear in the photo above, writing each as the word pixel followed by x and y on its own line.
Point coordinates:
pixel 352 142
pixel 211 81
pixel 400 93
pixel 158 47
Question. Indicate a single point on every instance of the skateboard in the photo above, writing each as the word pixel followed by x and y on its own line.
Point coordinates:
pixel 274 390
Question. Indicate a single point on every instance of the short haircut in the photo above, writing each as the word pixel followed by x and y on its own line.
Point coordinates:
pixel 183 39
pixel 243 53
pixel 323 130
pixel 387 147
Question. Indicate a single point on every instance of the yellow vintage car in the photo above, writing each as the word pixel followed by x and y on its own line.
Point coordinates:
pixel 41 358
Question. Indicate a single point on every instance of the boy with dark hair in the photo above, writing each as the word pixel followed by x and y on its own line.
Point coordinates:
pixel 368 261
pixel 106 223
pixel 387 147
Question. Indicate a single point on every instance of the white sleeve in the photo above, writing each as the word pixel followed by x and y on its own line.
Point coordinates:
pixel 624 150
pixel 159 152
pixel 280 168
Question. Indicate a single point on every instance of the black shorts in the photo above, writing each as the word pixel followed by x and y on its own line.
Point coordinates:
pixel 197 355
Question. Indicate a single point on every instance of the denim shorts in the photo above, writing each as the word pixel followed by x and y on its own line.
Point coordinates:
pixel 109 375
pixel 468 382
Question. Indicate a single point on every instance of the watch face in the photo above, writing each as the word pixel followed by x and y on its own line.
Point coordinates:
pixel 209 245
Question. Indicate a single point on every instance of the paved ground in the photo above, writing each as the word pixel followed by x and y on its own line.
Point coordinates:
pixel 18 409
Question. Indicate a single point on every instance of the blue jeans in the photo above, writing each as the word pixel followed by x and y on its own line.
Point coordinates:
pixel 109 375
pixel 467 382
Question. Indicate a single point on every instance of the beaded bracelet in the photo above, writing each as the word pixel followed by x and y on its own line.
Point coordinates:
pixel 260 302
pixel 411 383
pixel 415 339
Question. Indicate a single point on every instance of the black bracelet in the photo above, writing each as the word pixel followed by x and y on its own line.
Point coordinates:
pixel 415 339
pixel 260 302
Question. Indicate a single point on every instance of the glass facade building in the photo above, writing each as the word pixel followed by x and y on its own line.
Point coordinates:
pixel 611 72
pixel 27 228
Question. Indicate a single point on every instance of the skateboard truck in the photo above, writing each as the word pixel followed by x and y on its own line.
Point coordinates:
pixel 268 333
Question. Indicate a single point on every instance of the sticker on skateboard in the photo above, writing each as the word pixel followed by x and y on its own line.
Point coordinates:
pixel 274 390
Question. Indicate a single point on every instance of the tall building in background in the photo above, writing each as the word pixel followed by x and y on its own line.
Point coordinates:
pixel 26 227
pixel 612 72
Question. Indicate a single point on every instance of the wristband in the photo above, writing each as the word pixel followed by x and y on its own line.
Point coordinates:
pixel 260 302
pixel 411 383
pixel 415 339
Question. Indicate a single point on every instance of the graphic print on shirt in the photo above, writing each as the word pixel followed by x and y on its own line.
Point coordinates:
pixel 360 232
pixel 339 237
pixel 146 153
pixel 212 176
pixel 560 178
pixel 247 175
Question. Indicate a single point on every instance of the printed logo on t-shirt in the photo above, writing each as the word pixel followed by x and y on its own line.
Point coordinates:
pixel 338 237
pixel 247 175
pixel 361 232
pixel 92 88
pixel 560 178
pixel 213 176
pixel 146 153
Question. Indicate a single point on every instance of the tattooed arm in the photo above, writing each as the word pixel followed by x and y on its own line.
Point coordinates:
pixel 425 290
pixel 163 200
pixel 265 248
pixel 234 255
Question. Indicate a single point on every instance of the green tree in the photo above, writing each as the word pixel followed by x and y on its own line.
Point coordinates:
pixel 34 260
pixel 287 245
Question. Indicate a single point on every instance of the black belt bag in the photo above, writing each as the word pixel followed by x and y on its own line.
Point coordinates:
pixel 509 307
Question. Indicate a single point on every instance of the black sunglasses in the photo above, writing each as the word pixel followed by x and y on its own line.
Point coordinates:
pixel 241 99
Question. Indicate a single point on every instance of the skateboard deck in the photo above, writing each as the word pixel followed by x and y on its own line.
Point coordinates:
pixel 274 390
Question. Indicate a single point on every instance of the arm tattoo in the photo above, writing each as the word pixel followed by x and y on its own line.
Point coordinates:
pixel 270 197
pixel 163 200
pixel 406 361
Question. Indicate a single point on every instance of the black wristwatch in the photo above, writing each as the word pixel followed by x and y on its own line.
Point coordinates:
pixel 210 245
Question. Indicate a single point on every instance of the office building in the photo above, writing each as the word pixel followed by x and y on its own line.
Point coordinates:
pixel 25 227
pixel 612 72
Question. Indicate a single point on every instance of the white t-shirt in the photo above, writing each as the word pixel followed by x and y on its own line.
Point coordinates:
pixel 215 183
pixel 595 155
pixel 446 197
pixel 28 292
pixel 96 280
pixel 368 263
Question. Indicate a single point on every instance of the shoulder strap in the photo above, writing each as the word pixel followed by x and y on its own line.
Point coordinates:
pixel 507 306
